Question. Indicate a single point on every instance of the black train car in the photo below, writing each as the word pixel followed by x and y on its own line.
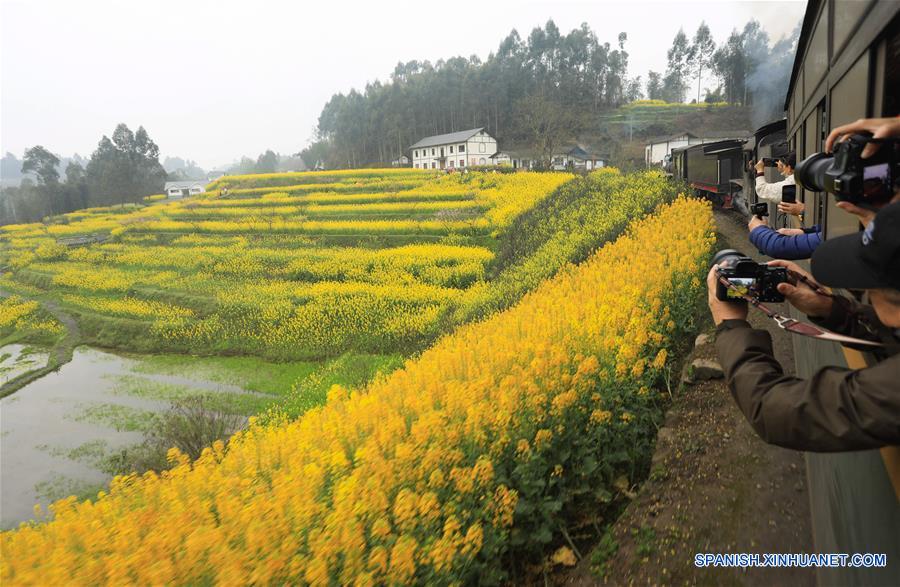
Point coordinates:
pixel 710 168
pixel 847 67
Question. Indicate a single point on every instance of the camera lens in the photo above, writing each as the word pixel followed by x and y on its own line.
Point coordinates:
pixel 727 257
pixel 810 173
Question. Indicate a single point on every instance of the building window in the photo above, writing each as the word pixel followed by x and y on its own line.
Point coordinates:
pixel 433 165
pixel 481 147
pixel 432 152
pixel 472 161
pixel 451 148
pixel 417 165
pixel 451 163
pixel 482 161
pixel 462 148
pixel 462 162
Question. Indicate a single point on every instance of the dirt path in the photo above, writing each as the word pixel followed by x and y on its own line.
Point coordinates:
pixel 59 354
pixel 714 487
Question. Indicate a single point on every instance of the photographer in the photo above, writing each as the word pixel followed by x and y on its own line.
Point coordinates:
pixel 771 192
pixel 837 409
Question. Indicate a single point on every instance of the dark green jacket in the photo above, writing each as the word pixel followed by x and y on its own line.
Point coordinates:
pixel 837 409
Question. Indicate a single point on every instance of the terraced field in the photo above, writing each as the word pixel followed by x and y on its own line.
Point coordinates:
pixel 283 266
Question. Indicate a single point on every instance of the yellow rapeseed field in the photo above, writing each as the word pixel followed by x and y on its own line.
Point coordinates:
pixel 263 270
pixel 429 475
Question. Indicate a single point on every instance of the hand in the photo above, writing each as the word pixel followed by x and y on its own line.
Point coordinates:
pixel 790 231
pixel 760 166
pixel 722 310
pixel 795 208
pixel 800 295
pixel 879 127
pixel 865 216
pixel 755 222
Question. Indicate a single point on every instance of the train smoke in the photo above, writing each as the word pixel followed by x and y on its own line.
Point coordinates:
pixel 768 81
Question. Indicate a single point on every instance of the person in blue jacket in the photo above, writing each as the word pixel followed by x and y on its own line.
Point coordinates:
pixel 785 243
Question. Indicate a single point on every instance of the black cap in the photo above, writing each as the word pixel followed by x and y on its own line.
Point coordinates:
pixel 866 260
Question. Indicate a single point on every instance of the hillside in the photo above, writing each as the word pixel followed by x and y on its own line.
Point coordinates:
pixel 623 132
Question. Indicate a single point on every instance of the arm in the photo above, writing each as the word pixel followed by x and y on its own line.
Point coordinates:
pixel 780 246
pixel 836 409
pixel 768 192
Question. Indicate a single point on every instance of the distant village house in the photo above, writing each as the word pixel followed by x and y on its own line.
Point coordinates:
pixel 183 189
pixel 574 157
pixel 455 150
pixel 401 161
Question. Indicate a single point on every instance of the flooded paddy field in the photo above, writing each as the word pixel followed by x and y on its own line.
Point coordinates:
pixel 61 435
pixel 71 431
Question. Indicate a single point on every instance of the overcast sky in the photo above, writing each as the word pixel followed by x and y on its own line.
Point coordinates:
pixel 214 80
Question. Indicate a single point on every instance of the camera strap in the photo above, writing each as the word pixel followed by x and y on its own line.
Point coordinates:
pixel 795 326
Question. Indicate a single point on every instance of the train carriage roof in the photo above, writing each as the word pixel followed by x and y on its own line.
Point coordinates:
pixel 722 147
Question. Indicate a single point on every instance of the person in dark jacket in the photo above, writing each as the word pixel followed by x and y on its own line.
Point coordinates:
pixel 787 243
pixel 837 409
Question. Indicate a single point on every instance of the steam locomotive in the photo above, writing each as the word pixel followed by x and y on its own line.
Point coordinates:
pixel 723 171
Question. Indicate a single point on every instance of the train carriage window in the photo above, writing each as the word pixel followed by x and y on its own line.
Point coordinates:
pixel 846 15
pixel 848 102
pixel 891 84
pixel 816 62
pixel 798 96
pixel 811 142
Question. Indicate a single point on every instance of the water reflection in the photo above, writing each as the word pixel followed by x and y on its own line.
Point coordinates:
pixel 55 431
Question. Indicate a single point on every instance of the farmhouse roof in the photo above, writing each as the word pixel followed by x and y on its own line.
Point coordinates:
pixel 181 185
pixel 726 134
pixel 453 137
pixel 667 138
pixel 710 134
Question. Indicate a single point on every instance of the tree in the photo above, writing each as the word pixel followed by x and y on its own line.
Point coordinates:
pixel 674 84
pixel 42 163
pixel 546 124
pixel 654 86
pixel 75 191
pixel 10 167
pixel 729 63
pixel 700 55
pixel 267 162
pixel 633 90
pixel 377 123
pixel 125 168
pixel 755 47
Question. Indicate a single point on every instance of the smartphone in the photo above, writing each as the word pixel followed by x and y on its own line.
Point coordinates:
pixel 789 194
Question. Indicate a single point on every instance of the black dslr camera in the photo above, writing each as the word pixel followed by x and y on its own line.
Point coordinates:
pixel 760 209
pixel 749 277
pixel 770 162
pixel 850 177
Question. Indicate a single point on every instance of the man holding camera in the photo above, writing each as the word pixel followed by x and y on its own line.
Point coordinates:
pixel 837 409
pixel 771 192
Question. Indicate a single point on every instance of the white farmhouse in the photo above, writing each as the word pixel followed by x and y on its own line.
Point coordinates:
pixel 466 148
pixel 182 189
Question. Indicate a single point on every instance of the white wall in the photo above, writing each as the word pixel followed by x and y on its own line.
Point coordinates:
pixel 654 153
pixel 478 147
